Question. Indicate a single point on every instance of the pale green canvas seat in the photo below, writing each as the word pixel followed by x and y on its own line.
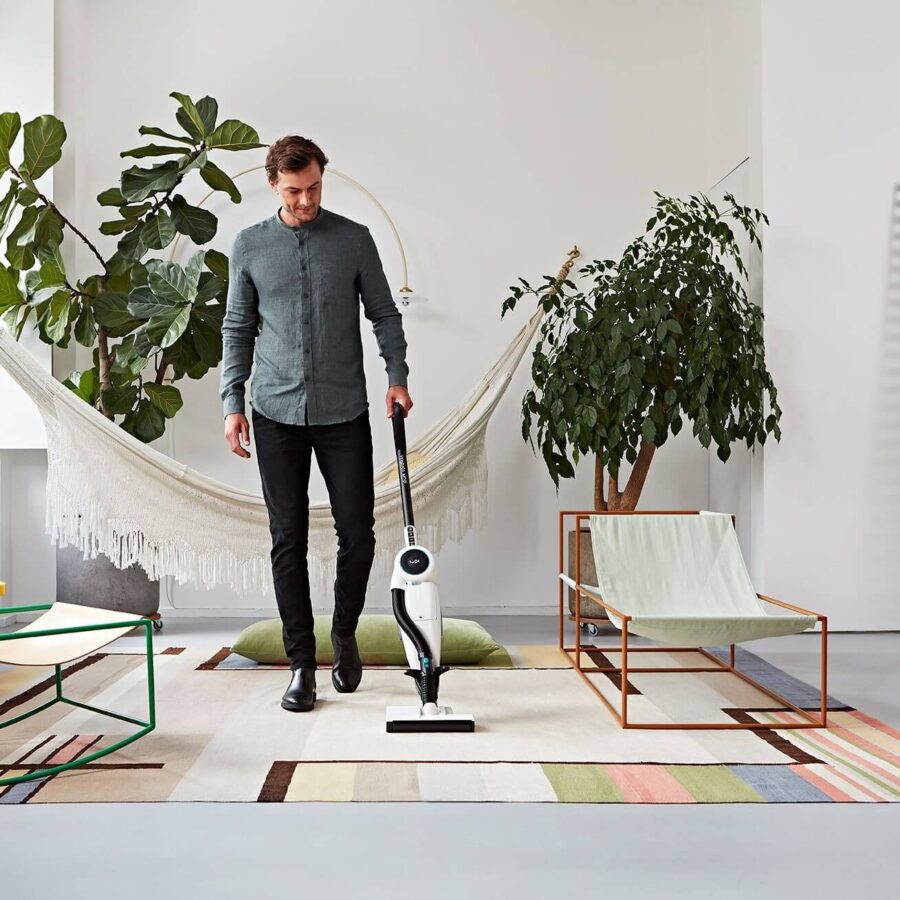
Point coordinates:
pixel 682 579
pixel 679 578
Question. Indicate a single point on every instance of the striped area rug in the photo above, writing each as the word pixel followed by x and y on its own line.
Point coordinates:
pixel 541 736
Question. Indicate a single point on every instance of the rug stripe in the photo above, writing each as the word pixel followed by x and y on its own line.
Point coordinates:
pixel 826 787
pixel 844 781
pixel 277 780
pixel 394 781
pixel 581 784
pixel 714 784
pixel 780 784
pixel 819 745
pixel 516 782
pixel 875 723
pixel 860 757
pixel 647 784
pixel 451 781
pixel 322 781
pixel 853 736
pixel 39 688
pixel 72 749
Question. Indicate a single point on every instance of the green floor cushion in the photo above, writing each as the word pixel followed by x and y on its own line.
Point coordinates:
pixel 463 643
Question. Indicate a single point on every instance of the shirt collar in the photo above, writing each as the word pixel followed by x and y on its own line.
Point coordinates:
pixel 306 226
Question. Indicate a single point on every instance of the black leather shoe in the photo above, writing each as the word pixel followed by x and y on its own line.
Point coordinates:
pixel 346 673
pixel 301 693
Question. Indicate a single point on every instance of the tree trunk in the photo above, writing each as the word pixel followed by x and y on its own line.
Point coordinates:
pixel 629 497
pixel 599 501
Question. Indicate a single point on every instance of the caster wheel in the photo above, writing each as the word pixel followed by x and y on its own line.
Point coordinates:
pixel 592 630
pixel 584 626
pixel 157 625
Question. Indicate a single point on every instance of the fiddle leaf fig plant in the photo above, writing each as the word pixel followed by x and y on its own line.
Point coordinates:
pixel 663 335
pixel 152 321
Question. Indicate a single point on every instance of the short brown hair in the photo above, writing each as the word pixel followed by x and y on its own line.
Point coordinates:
pixel 291 154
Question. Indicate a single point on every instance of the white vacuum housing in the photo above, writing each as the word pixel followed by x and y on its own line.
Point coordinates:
pixel 417 609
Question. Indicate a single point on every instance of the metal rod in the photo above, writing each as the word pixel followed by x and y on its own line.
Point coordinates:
pixel 402 470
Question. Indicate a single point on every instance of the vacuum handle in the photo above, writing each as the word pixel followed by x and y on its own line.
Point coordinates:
pixel 402 469
pixel 399 429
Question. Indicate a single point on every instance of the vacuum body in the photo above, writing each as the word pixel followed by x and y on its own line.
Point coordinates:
pixel 417 609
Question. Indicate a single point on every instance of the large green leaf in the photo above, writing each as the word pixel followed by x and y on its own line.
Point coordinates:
pixel 211 288
pixel 165 397
pixel 138 184
pixel 20 243
pixel 56 325
pixel 159 231
pixel 189 117
pixel 119 399
pixel 48 233
pixel 146 423
pixel 234 135
pixel 10 294
pixel 207 340
pixel 44 137
pixel 198 224
pixel 165 329
pixel 169 281
pixel 86 384
pixel 85 328
pixel 219 181
pixel 111 309
pixel 144 304
pixel 10 122
pixel 208 109
pixel 111 197
pixel 133 246
pixel 217 263
pixel 153 150
pixel 7 204
pixel 158 132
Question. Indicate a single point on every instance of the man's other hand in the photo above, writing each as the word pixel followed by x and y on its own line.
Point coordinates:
pixel 237 433
pixel 397 394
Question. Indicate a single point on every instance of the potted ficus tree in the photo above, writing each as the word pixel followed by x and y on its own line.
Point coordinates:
pixel 149 321
pixel 663 335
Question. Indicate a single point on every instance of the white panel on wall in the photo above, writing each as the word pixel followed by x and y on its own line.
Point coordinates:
pixel 831 155
pixel 26 87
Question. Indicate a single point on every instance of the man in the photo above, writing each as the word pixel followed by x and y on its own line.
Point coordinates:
pixel 295 283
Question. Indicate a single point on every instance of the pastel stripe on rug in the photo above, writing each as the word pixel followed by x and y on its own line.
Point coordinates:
pixel 648 784
pixel 861 769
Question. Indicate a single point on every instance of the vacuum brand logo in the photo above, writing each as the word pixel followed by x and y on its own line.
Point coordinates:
pixel 401 466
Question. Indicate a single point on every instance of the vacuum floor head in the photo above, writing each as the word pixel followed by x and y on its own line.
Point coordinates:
pixel 411 719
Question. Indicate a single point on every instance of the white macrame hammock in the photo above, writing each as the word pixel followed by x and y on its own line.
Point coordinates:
pixel 109 493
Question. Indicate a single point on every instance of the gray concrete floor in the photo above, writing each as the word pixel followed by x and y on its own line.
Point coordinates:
pixel 443 850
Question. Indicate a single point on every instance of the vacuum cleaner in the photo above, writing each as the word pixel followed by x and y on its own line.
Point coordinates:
pixel 417 609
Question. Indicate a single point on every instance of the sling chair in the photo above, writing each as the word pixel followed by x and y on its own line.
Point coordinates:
pixel 679 578
pixel 63 633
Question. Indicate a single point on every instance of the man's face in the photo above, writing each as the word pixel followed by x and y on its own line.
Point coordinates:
pixel 300 193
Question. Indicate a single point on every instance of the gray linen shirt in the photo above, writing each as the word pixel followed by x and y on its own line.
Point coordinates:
pixel 294 293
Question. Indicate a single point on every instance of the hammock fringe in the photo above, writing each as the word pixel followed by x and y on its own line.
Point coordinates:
pixel 141 507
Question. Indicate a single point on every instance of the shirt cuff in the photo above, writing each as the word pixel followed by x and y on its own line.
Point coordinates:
pixel 233 403
pixel 397 380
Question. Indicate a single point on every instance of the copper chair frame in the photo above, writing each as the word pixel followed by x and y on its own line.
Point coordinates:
pixel 574 653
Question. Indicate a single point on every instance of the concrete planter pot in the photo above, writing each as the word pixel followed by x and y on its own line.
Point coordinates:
pixel 97 582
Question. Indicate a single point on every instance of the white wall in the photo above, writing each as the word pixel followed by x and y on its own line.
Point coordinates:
pixel 831 156
pixel 26 87
pixel 734 166
pixel 27 561
pixel 497 135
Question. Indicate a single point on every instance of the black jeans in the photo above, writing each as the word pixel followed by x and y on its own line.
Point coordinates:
pixel 344 454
